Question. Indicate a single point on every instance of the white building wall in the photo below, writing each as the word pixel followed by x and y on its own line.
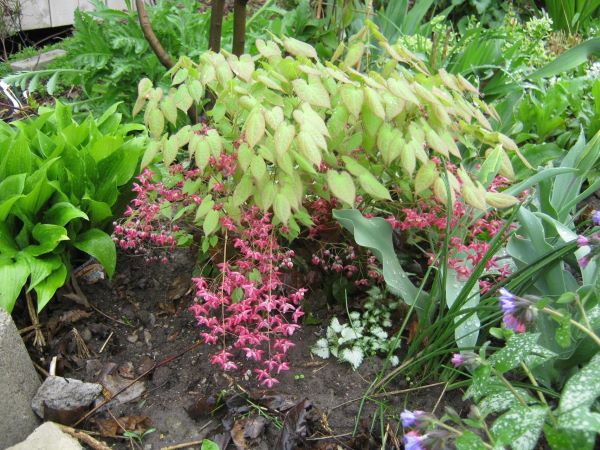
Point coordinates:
pixel 55 13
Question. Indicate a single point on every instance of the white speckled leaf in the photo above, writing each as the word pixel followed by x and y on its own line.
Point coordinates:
pixel 501 401
pixel 516 350
pixel 579 393
pixel 520 427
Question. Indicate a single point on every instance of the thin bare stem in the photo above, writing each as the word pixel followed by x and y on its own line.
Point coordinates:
pixel 155 44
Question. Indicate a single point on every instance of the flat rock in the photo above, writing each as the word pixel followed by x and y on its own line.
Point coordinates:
pixel 37 62
pixel 48 436
pixel 18 384
pixel 64 394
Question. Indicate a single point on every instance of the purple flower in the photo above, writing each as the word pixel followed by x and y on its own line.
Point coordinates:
pixel 513 323
pixel 584 261
pixel 596 217
pixel 458 359
pixel 507 301
pixel 413 441
pixel 583 241
pixel 411 418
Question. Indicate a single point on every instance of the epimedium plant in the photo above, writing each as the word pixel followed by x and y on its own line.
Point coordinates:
pixel 284 127
pixel 61 185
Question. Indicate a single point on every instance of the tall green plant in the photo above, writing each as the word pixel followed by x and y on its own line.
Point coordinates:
pixel 61 183
pixel 571 15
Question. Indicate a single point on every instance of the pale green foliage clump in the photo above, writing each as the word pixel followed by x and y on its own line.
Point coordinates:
pixel 364 335
pixel 301 126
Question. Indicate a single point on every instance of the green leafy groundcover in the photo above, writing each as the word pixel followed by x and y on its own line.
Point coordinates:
pixel 60 182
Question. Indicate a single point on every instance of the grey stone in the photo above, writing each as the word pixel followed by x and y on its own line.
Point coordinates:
pixel 18 384
pixel 37 62
pixel 64 394
pixel 48 436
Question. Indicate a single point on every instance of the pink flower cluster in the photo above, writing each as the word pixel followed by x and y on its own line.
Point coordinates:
pixel 250 310
pixel 466 250
pixel 147 230
pixel 347 260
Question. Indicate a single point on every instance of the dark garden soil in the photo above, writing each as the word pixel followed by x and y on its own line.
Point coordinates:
pixel 148 306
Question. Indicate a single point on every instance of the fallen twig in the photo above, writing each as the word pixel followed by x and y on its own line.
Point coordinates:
pixel 154 367
pixel 85 438
pixel 106 342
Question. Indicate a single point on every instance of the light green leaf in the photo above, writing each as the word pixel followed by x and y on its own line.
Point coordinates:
pixel 299 48
pixel 258 168
pixel 211 221
pixel 342 186
pixel 254 129
pixel 243 190
pixel 13 276
pixel 46 289
pixel 373 187
pixel 62 213
pixel 282 209
pixel 150 153
pixel 156 123
pixel 353 98
pixel 309 148
pixel 284 135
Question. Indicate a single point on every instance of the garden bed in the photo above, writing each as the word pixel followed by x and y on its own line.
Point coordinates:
pixel 150 302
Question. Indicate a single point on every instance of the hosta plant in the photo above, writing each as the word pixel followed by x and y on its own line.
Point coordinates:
pixel 282 129
pixel 61 181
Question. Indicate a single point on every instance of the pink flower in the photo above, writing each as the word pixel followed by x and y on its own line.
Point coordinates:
pixel 269 382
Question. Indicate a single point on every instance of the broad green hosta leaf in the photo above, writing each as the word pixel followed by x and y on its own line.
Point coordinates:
pixel 62 213
pixel 48 236
pixel 13 276
pixel 46 289
pixel 98 244
pixel 569 59
pixel 40 267
pixel 520 427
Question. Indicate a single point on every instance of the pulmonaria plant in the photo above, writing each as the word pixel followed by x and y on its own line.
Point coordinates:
pixel 249 310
